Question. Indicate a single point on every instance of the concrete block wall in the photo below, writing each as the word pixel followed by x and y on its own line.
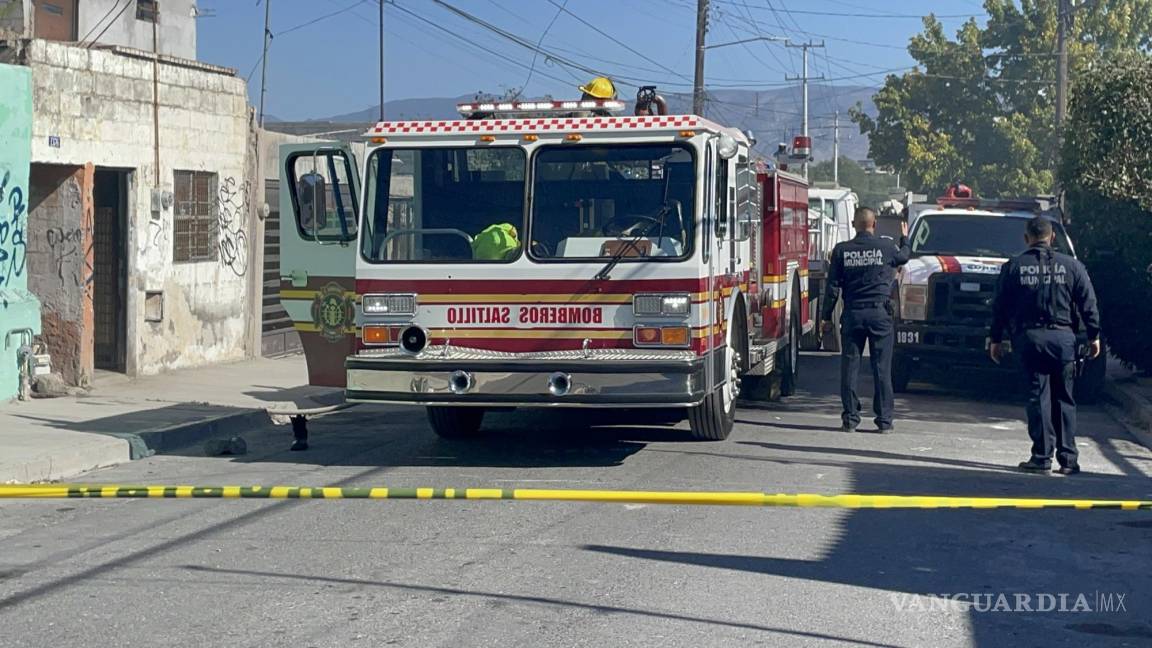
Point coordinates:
pixel 19 308
pixel 204 125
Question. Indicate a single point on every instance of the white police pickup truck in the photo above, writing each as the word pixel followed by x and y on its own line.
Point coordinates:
pixel 945 293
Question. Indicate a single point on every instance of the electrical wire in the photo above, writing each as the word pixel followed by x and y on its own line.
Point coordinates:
pixel 109 25
pixel 593 27
pixel 536 54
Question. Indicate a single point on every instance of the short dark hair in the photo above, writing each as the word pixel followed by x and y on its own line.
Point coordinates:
pixel 862 212
pixel 1039 228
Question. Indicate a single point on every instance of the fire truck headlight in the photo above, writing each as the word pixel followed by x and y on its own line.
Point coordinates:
pixel 396 304
pixel 661 304
pixel 914 302
pixel 675 304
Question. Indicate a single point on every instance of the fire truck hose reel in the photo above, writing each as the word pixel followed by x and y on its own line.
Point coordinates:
pixel 717 498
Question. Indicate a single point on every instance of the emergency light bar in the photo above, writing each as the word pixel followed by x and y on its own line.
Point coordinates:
pixel 1003 204
pixel 525 107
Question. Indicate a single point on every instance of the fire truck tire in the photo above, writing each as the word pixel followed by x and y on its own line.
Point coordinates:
pixel 811 340
pixel 789 360
pixel 455 422
pixel 831 339
pixel 714 417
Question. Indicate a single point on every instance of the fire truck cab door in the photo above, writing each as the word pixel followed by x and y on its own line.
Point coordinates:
pixel 319 204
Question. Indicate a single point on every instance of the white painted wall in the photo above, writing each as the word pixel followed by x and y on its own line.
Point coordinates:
pixel 99 104
pixel 176 31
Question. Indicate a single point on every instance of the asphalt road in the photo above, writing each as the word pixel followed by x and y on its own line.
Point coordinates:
pixel 372 573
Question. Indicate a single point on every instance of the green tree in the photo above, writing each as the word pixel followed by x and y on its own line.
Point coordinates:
pixel 871 188
pixel 1107 173
pixel 980 108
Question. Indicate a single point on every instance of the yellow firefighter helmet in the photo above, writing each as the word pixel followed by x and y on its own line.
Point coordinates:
pixel 600 88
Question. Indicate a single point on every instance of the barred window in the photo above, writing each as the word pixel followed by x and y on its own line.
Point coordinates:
pixel 194 218
pixel 147 10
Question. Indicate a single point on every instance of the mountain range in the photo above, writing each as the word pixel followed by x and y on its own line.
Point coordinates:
pixel 774 116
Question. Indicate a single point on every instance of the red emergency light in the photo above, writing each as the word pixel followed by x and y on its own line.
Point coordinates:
pixel 802 147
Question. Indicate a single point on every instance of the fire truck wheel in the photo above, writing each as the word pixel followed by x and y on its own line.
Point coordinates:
pixel 712 419
pixel 455 422
pixel 789 361
pixel 831 339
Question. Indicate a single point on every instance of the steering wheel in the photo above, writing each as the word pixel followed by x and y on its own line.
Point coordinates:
pixel 540 250
pixel 613 226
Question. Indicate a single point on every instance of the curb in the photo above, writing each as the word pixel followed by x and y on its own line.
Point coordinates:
pixel 145 443
pixel 1135 408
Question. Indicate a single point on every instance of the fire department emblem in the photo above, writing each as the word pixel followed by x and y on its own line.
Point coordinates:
pixel 333 312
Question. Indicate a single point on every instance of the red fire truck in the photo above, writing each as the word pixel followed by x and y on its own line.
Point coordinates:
pixel 547 254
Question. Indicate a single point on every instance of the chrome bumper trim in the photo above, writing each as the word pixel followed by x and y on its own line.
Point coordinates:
pixel 504 382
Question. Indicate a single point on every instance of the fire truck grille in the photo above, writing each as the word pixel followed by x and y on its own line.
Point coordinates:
pixel 962 298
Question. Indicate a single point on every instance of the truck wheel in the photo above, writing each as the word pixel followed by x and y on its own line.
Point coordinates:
pixel 789 360
pixel 831 339
pixel 713 418
pixel 1091 383
pixel 901 374
pixel 455 422
pixel 812 341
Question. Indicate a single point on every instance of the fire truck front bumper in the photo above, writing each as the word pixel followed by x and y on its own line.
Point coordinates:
pixel 597 378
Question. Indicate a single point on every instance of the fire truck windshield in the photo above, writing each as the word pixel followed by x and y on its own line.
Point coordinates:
pixel 621 202
pixel 975 235
pixel 444 205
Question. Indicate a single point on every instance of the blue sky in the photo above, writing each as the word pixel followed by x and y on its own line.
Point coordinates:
pixel 324 59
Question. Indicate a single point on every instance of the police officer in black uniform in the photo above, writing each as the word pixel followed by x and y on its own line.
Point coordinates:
pixel 864 270
pixel 1035 298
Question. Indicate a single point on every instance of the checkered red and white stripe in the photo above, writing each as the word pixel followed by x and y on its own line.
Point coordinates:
pixel 557 124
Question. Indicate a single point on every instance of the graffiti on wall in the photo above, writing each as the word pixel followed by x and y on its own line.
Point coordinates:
pixel 64 246
pixel 13 244
pixel 232 209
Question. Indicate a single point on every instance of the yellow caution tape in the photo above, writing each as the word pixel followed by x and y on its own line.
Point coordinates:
pixel 802 500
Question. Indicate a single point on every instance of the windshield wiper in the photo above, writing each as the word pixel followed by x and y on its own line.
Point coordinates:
pixel 630 244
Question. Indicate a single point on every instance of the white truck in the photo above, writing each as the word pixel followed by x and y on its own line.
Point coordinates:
pixel 830 210
pixel 945 293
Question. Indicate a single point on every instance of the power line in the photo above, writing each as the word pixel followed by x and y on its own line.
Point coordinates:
pixel 110 23
pixel 840 14
pixel 626 80
pixel 564 8
pixel 540 42
pixel 502 56
pixel 299 27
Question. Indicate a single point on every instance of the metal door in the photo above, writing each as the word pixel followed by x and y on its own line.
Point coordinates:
pixel 319 196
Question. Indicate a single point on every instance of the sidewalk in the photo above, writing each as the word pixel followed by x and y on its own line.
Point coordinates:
pixel 123 419
pixel 1133 396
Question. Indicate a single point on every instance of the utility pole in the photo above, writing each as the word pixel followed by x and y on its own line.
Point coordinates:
pixel 698 85
pixel 804 78
pixel 836 149
pixel 264 63
pixel 381 60
pixel 1063 25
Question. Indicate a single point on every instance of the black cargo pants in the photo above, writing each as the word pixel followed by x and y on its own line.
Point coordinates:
pixel 870 323
pixel 1049 357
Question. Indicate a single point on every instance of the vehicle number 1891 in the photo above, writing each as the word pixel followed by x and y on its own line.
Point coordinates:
pixel 908 337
